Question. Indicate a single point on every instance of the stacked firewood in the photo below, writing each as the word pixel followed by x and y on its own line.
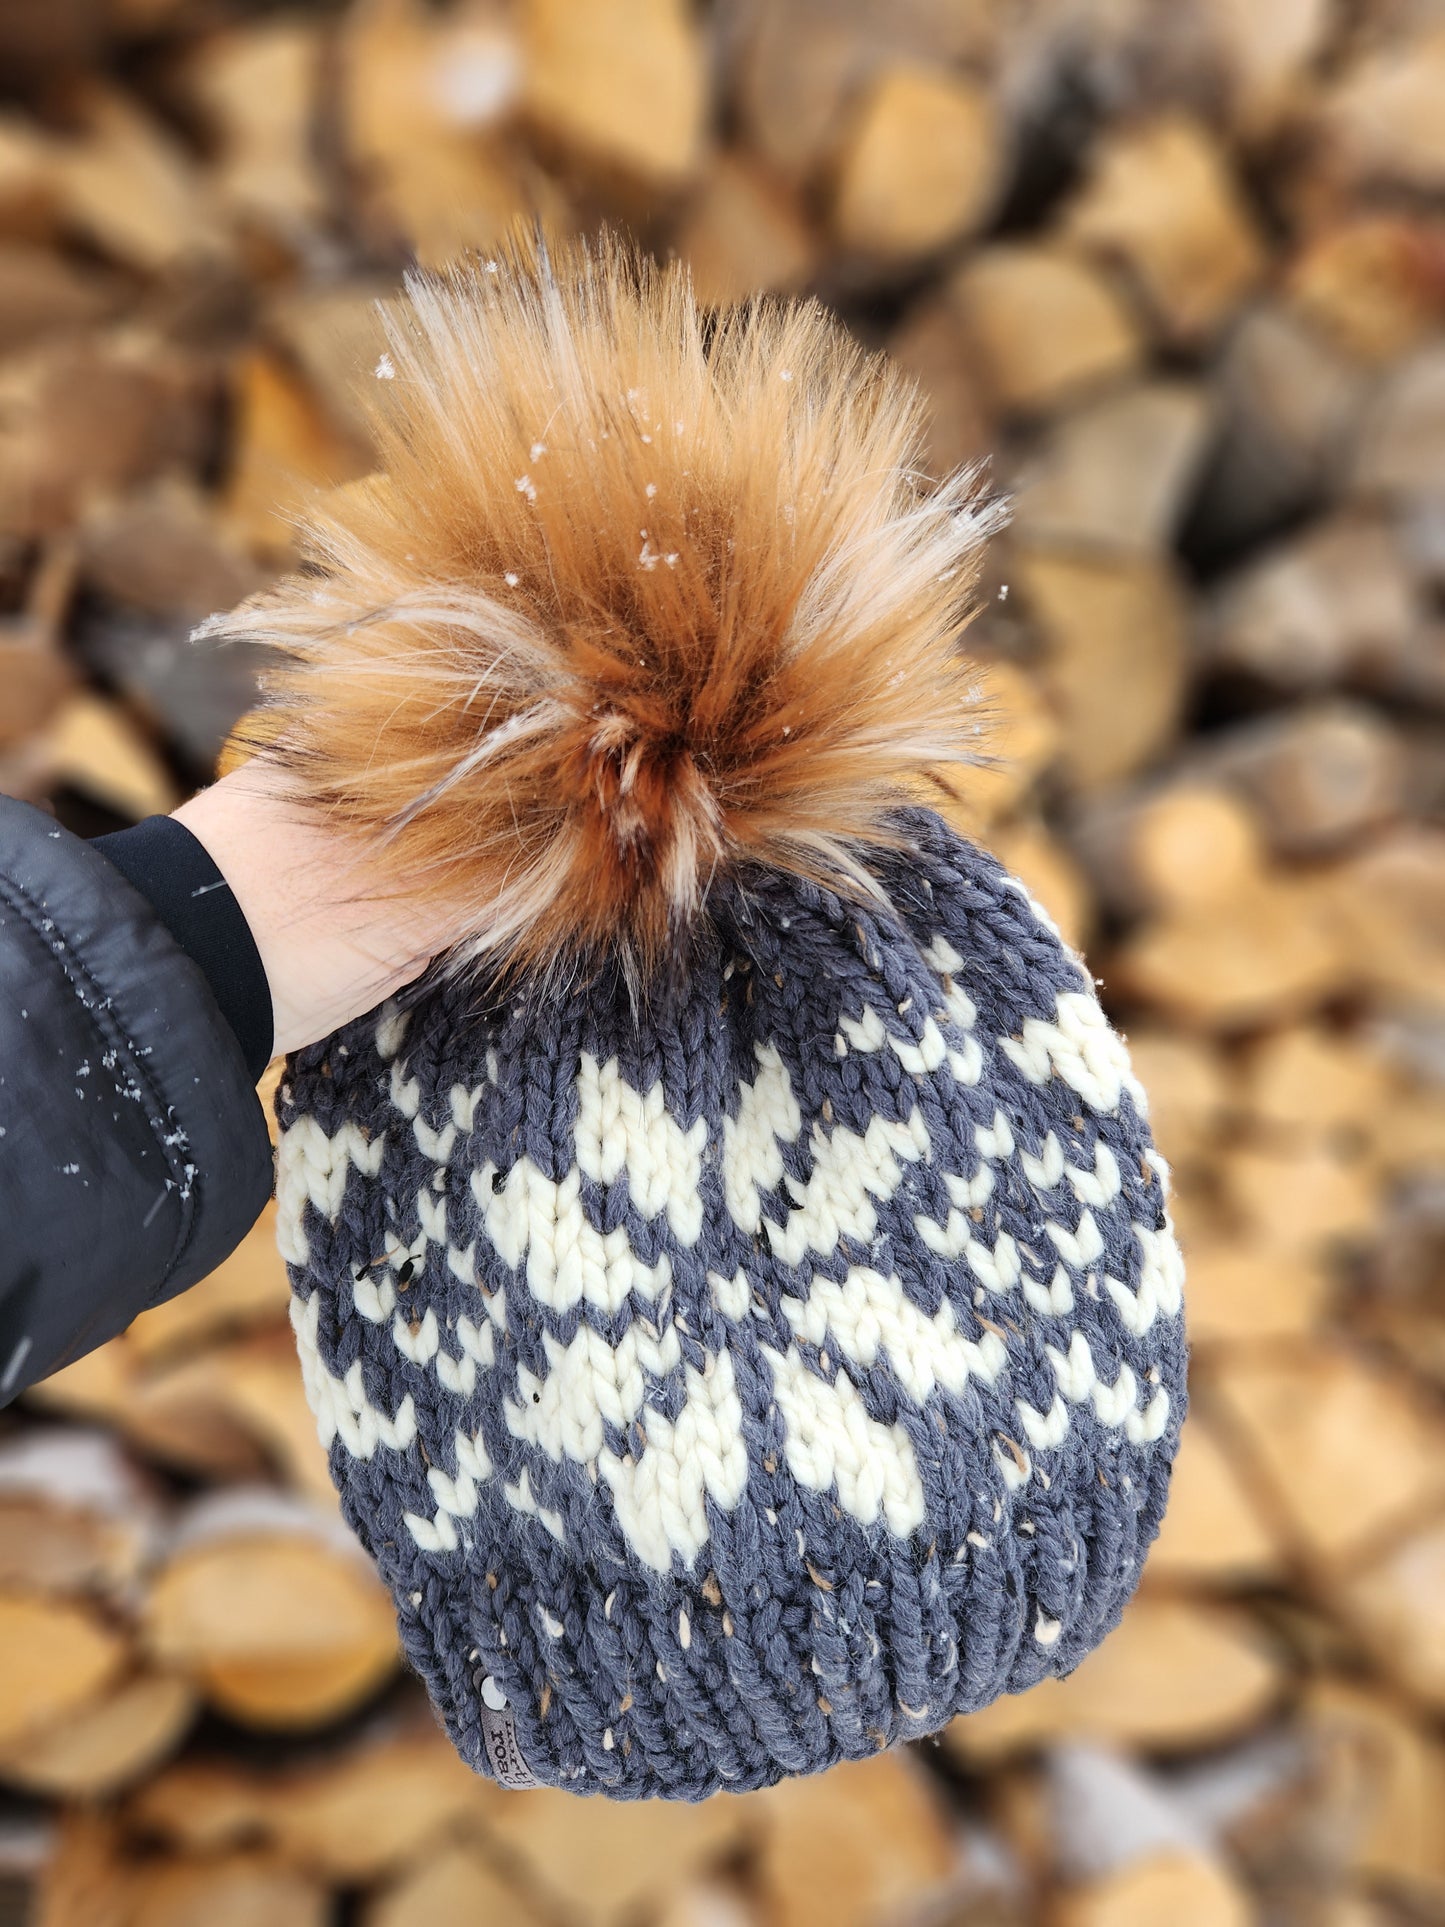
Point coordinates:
pixel 1179 269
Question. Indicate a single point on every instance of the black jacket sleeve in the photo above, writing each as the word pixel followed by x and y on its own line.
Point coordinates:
pixel 133 1150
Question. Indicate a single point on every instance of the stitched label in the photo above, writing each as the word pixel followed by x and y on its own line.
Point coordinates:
pixel 504 1756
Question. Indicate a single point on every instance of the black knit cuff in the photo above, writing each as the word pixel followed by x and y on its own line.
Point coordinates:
pixel 175 873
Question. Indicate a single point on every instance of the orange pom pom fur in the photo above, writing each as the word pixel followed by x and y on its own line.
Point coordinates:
pixel 635 597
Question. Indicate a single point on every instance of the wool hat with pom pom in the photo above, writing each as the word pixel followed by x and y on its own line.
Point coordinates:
pixel 735 1286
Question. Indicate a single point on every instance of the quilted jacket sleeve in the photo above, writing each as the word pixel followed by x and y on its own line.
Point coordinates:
pixel 133 1149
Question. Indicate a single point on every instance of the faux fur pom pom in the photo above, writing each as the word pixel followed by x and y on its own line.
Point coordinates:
pixel 637 594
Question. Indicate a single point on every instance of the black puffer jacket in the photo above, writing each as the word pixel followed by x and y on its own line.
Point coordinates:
pixel 133 1150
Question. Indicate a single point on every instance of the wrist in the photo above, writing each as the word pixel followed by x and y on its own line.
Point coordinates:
pixel 330 948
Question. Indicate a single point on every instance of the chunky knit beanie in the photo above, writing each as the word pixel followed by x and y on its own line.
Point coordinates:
pixel 735 1287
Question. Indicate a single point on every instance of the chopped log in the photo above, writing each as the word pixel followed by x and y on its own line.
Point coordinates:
pixel 454 1886
pixel 258 87
pixel 1194 1205
pixel 1304 1199
pixel 1047 324
pixel 742 233
pixel 800 64
pixel 288 1695
pixel 109 1386
pixel 92 1881
pixel 287 452
pixel 43 295
pixel 601 1862
pixel 1422 749
pixel 1271 951
pixel 246 1289
pixel 1286 405
pixel 194 686
pixel 35 679
pixel 1027 1825
pixel 1182 846
pixel 85 417
pixel 1160 198
pixel 26 1845
pixel 1372 284
pixel 797 65
pixel 186 1400
pixel 202 1806
pixel 1336 602
pixel 1176 1674
pixel 51 589
pixel 1353 1909
pixel 1115 663
pixel 1317 775
pixel 1053 879
pixel 1107 1812
pixel 86 1880
pixel 241 1890
pixel 105 1744
pixel 274 1611
pixel 620 84
pixel 1389 901
pixel 928 345
pixel 1258 1799
pixel 129 188
pixel 1241 1295
pixel 1344 1449
pixel 372 1809
pixel 91 744
pixel 28 187
pixel 75 1515
pixel 1188 1889
pixel 56 1656
pixel 1417 676
pixel 351 1819
pixel 1409 1132
pixel 334 335
pixel 164 550
pixel 1397 1606
pixel 1383 119
pixel 1213 1532
pixel 1383 1787
pixel 865 1842
pixel 921 167
pixel 1019 738
pixel 38 41
pixel 1266 54
pixel 253 1384
pixel 1402 1310
pixel 425 97
pixel 1398 454
pixel 708 1903
pixel 1307 1082
pixel 1189 1091
pixel 1116 475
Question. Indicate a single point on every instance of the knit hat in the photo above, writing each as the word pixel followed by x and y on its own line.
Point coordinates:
pixel 735 1289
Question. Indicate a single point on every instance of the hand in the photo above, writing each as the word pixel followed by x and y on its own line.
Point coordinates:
pixel 330 949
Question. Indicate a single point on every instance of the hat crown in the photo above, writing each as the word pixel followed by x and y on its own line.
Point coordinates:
pixel 797 1360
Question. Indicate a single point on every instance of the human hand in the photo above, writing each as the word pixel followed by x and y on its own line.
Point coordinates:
pixel 330 946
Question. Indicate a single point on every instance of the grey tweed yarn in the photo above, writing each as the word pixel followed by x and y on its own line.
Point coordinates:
pixel 747 1386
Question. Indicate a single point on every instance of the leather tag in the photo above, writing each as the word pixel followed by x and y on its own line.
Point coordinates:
pixel 504 1756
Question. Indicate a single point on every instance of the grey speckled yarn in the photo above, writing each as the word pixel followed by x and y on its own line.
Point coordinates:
pixel 745 1387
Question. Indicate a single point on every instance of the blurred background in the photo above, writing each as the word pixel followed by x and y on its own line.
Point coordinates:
pixel 1178 267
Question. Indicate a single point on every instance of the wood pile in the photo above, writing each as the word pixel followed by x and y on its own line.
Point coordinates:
pixel 1181 270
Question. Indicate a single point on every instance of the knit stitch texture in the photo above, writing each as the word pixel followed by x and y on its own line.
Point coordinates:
pixel 749 1384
